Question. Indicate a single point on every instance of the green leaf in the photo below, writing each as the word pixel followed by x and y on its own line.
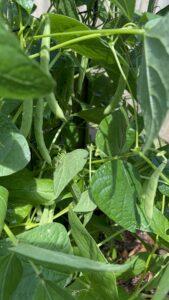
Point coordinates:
pixel 115 188
pixel 88 248
pixel 159 224
pixel 97 49
pixel 26 4
pixel 111 135
pixel 3 206
pixel 13 145
pixel 47 290
pixel 68 8
pixel 67 168
pixel 163 287
pixel 49 236
pixel 94 115
pixel 17 212
pixel 149 192
pixel 127 7
pixel 10 274
pixel 24 188
pixel 86 244
pixel 64 262
pixel 153 85
pixel 29 283
pixel 20 77
pixel 85 203
pixel 64 76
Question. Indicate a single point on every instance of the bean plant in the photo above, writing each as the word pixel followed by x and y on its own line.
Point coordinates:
pixel 84 173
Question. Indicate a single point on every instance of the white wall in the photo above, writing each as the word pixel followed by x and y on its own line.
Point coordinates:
pixel 140 5
pixel 42 6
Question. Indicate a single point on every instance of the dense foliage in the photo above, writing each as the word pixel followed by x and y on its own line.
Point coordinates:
pixel 84 180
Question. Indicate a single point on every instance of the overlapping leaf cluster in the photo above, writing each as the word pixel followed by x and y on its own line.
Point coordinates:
pixel 84 91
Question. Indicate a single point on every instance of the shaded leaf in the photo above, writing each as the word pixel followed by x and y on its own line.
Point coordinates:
pixel 47 290
pixel 163 287
pixel 94 115
pixel 126 6
pixel 3 206
pixel 14 150
pixel 24 188
pixel 10 265
pixel 68 8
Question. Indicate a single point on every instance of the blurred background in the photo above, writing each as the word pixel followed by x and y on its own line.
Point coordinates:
pixel 140 5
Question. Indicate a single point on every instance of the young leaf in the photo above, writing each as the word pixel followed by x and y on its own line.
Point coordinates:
pixel 85 203
pixel 10 265
pixel 14 150
pixel 115 188
pixel 149 192
pixel 97 49
pixel 127 7
pixel 67 168
pixel 153 84
pixel 64 262
pixel 20 77
pixel 3 206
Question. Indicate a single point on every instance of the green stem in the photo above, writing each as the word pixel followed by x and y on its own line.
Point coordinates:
pixel 82 72
pixel 163 204
pixel 10 235
pixel 129 88
pixel 16 116
pixel 146 159
pixel 21 28
pixel 118 94
pixel 45 60
pixel 61 213
pixel 27 117
pixel 51 145
pixel 110 238
pixel 100 32
pixel 91 36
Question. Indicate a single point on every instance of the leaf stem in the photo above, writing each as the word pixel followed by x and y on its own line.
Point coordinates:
pixel 95 34
pixel 146 159
pixel 10 235
pixel 62 212
pixel 101 32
